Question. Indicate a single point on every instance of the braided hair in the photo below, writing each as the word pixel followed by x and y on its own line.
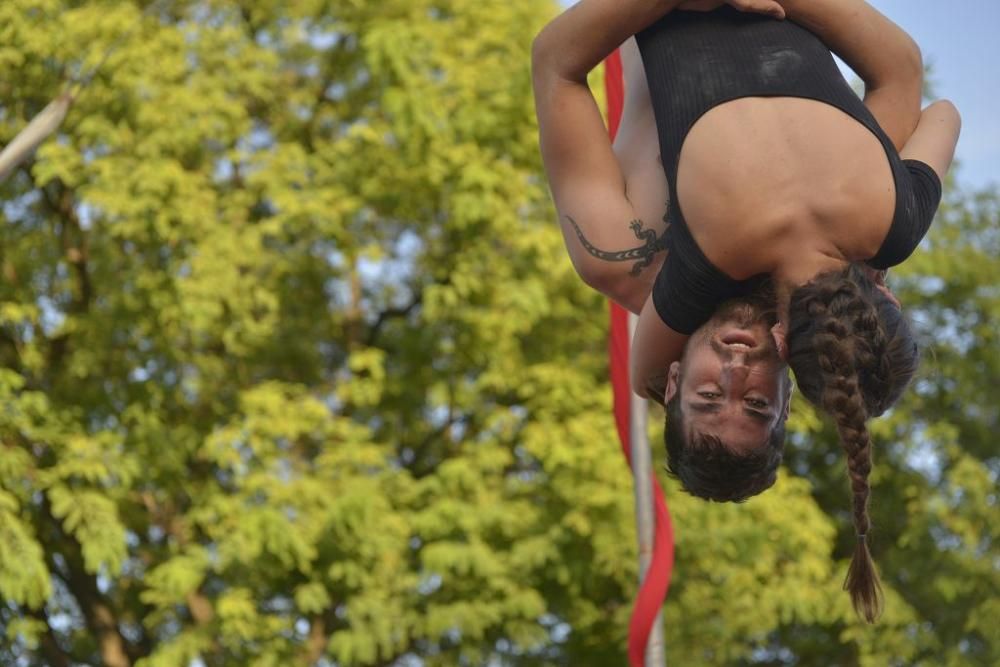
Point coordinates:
pixel 853 354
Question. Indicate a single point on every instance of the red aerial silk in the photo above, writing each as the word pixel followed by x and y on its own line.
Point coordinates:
pixel 653 591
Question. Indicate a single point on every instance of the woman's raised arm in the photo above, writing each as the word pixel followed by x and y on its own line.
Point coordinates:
pixel 585 177
pixel 584 174
pixel 883 55
pixel 890 64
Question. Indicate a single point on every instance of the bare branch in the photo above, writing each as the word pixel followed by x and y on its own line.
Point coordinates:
pixel 389 314
pixel 97 610
pixel 317 641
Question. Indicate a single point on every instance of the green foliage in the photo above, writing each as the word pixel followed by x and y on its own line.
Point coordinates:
pixel 295 371
pixel 23 576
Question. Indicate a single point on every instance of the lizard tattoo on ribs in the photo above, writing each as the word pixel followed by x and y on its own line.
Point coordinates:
pixel 643 254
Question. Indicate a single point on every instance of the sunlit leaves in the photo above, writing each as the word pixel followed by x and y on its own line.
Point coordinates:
pixel 92 519
pixel 23 576
pixel 295 365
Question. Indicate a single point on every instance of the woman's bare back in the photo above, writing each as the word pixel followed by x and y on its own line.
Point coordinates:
pixel 759 178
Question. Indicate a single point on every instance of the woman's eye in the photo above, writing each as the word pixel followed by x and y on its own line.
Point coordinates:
pixel 757 403
pixel 708 395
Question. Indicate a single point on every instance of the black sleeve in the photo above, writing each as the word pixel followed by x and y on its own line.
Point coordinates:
pixel 916 204
pixel 689 288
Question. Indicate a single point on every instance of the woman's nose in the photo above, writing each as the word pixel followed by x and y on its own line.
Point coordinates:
pixel 737 368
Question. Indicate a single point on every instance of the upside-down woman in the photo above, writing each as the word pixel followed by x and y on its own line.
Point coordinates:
pixel 774 169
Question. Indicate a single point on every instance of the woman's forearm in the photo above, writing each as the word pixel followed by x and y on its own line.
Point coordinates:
pixel 876 48
pixel 881 53
pixel 586 33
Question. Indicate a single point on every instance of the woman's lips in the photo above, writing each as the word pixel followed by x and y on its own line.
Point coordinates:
pixel 738 337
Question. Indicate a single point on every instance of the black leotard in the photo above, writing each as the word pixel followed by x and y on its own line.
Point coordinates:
pixel 695 61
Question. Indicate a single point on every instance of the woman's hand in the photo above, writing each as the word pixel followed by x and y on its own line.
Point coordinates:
pixel 770 7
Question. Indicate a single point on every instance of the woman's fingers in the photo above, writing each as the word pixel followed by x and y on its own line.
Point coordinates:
pixel 769 7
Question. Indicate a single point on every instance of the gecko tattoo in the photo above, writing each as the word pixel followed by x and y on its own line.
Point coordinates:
pixel 643 255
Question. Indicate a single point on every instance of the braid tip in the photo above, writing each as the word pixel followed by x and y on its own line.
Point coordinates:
pixel 863 583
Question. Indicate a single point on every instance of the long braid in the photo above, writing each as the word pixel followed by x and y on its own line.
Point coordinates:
pixel 841 398
pixel 852 354
pixel 871 358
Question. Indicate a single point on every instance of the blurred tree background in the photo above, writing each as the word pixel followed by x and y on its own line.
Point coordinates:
pixel 295 371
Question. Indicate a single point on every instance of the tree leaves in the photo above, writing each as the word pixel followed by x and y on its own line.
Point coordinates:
pixel 295 369
pixel 23 576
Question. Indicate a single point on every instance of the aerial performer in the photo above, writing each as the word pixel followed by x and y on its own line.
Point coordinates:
pixel 747 212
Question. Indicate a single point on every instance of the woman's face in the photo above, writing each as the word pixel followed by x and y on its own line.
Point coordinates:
pixel 733 381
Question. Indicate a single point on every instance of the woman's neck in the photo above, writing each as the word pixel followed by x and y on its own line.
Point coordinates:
pixel 798 268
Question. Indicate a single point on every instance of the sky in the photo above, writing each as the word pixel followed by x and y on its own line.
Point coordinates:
pixel 960 40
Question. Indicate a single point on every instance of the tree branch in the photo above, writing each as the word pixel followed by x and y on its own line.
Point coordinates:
pixel 200 607
pixel 388 314
pixel 53 653
pixel 76 252
pixel 97 610
pixel 421 450
pixel 317 641
pixel 11 341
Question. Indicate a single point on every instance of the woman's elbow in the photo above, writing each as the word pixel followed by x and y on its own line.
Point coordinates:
pixel 549 59
pixel 946 112
pixel 538 56
pixel 913 62
pixel 543 55
pixel 908 63
pixel 620 287
pixel 942 119
pixel 538 48
pixel 903 70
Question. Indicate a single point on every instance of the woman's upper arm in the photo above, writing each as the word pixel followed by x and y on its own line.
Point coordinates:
pixel 655 346
pixel 588 185
pixel 576 150
pixel 934 140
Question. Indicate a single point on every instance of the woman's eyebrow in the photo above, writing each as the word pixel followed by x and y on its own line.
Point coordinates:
pixel 760 416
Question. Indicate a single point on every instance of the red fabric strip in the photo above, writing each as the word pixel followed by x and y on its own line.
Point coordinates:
pixel 653 591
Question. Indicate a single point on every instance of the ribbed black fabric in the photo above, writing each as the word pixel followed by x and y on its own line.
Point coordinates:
pixel 695 61
pixel 916 203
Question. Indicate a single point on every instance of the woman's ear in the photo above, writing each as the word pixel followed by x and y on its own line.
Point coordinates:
pixel 780 341
pixel 673 381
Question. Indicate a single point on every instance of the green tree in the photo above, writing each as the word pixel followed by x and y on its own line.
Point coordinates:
pixel 295 371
